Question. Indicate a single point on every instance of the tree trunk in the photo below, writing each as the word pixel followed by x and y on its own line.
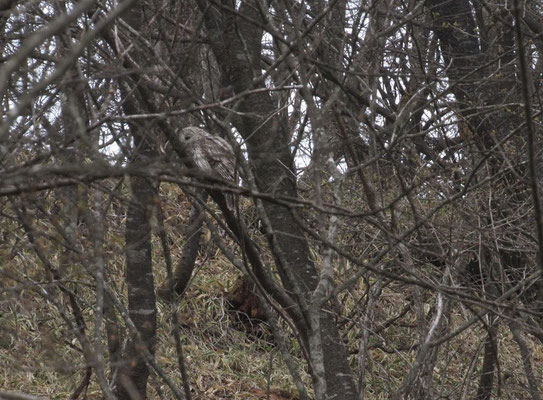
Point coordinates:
pixel 131 382
pixel 132 378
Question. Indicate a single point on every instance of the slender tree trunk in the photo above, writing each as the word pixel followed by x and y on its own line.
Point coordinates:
pixel 132 378
pixel 486 382
pixel 131 381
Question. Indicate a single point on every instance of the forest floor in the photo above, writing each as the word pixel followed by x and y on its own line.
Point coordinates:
pixel 40 355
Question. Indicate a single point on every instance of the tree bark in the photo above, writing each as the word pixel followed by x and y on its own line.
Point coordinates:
pixel 132 378
pixel 486 382
pixel 131 381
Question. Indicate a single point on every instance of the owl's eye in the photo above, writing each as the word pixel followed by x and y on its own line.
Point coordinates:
pixel 187 138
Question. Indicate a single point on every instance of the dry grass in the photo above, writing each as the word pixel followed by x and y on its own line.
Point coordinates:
pixel 224 363
pixel 39 354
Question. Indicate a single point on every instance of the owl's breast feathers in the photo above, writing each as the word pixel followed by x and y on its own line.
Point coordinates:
pixel 212 154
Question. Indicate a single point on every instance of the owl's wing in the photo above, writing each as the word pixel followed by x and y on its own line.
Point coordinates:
pixel 220 157
pixel 199 157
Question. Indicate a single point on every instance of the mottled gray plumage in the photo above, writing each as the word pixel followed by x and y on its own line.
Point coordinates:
pixel 211 154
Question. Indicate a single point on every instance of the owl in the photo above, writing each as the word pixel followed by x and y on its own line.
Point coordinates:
pixel 212 155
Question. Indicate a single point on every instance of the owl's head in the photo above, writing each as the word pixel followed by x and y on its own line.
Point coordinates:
pixel 188 136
